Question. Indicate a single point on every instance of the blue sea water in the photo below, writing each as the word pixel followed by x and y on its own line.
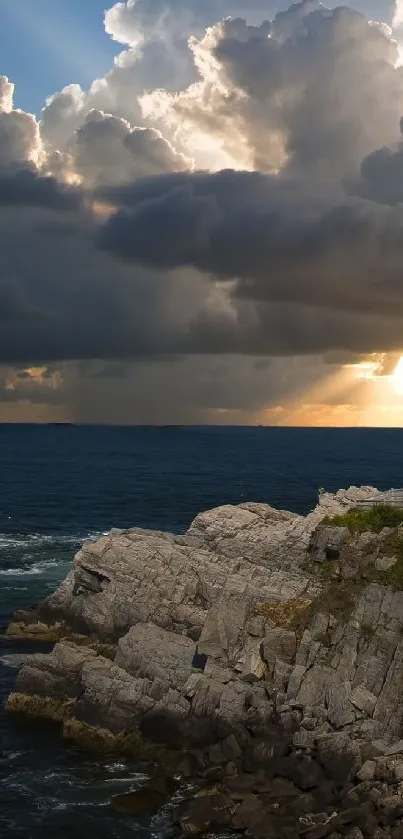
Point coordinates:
pixel 62 484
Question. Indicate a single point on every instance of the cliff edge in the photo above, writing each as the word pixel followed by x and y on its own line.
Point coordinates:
pixel 263 648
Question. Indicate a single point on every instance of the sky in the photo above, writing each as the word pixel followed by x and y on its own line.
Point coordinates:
pixel 201 212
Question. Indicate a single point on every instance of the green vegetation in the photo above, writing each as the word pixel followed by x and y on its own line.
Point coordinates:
pixel 394 576
pixel 374 520
pixel 337 599
pixel 341 590
pixel 329 569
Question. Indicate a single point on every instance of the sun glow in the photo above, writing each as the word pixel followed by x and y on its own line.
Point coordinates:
pixel 366 369
pixel 377 370
pixel 368 393
pixel 396 378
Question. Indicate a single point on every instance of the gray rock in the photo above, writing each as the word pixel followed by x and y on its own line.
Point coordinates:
pixel 137 576
pixel 279 644
pixel 398 771
pixel 256 626
pixel 394 749
pixel 230 588
pixel 339 746
pixel 367 771
pixel 295 680
pixel 363 699
pixel 315 685
pixel 253 667
pixel 385 563
pixel 389 707
pixel 224 627
pixel 340 712
pixel 304 739
pixel 355 833
pixel 327 542
pixel 281 675
pixel 147 651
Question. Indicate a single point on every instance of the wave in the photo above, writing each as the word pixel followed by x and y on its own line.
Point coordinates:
pixel 35 554
pixel 36 540
pixel 8 756
pixel 14 660
pixel 40 567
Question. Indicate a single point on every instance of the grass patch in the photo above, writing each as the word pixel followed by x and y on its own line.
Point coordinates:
pixel 394 576
pixel 339 596
pixel 329 569
pixel 282 613
pixel 373 520
pixel 337 599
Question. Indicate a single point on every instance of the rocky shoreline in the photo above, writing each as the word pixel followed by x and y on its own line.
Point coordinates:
pixel 259 658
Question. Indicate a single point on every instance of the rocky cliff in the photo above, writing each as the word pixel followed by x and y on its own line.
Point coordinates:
pixel 263 648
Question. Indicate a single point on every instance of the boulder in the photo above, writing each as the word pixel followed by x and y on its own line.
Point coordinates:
pixel 327 542
pixel 153 653
pixel 363 699
pixel 147 800
pixel 279 644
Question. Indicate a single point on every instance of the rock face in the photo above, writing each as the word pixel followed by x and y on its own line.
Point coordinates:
pixel 255 621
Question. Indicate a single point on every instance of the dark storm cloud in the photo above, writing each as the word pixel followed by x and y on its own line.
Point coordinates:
pixel 381 176
pixel 26 187
pixel 282 240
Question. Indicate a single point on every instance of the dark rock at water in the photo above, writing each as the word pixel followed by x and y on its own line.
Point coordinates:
pixel 147 800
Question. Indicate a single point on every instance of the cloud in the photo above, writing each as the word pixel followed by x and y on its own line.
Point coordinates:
pixel 155 36
pixel 397 14
pixel 67 300
pixel 317 95
pixel 63 113
pixel 133 21
pixel 19 131
pixel 107 150
pixel 213 225
pixel 6 94
pixel 282 241
pixel 187 389
pixel 26 187
pixel 381 176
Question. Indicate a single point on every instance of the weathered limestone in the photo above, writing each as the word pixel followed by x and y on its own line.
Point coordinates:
pixel 270 646
pixel 226 629
pixel 138 576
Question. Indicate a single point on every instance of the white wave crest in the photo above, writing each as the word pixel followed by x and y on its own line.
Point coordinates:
pixel 31 570
pixel 36 540
pixel 14 660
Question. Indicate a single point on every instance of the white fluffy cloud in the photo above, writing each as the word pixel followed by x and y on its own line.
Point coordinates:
pixel 314 91
pixel 134 21
pixel 107 150
pixel 155 36
pixel 19 132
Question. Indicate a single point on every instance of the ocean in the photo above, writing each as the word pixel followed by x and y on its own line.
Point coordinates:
pixel 63 484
